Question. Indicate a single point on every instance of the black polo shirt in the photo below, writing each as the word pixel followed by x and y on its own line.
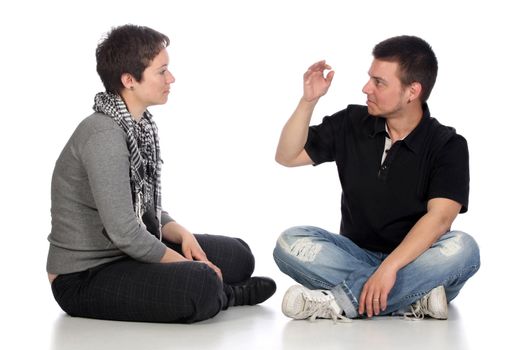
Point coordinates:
pixel 380 203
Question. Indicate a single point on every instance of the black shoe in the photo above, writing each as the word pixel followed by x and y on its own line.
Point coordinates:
pixel 253 291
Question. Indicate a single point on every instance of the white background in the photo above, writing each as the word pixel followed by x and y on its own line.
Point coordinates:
pixel 238 67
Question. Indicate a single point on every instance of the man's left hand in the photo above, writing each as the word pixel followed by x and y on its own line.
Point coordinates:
pixel 375 292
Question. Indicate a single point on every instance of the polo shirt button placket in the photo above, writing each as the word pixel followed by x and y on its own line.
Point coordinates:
pixel 382 172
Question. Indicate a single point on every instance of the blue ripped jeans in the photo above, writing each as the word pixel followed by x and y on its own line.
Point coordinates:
pixel 319 259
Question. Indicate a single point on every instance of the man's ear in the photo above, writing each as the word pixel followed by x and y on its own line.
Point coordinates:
pixel 414 90
pixel 127 80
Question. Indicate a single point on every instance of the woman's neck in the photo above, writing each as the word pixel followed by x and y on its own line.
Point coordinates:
pixel 135 108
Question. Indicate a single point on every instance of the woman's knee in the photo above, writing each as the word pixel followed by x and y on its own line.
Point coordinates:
pixel 232 255
pixel 205 293
pixel 246 259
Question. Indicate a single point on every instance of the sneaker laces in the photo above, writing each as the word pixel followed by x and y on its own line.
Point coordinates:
pixel 320 307
pixel 418 310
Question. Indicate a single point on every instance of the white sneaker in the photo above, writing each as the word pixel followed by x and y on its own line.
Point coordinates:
pixel 433 304
pixel 301 303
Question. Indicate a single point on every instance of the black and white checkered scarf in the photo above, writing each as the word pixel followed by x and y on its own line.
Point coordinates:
pixel 143 144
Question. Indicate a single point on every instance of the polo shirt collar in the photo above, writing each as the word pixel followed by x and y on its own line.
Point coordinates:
pixel 379 126
pixel 414 140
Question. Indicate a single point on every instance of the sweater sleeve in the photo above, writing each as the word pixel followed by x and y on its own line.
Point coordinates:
pixel 165 218
pixel 106 160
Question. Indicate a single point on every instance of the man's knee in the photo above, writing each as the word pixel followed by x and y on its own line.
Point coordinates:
pixel 298 242
pixel 469 247
pixel 297 232
pixel 458 247
pixel 458 242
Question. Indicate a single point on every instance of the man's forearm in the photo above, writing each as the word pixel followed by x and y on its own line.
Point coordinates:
pixel 425 232
pixel 295 132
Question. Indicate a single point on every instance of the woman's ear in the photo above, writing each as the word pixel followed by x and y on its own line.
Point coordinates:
pixel 127 80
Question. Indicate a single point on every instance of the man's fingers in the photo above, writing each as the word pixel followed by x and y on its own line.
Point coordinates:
pixel 330 76
pixel 320 66
pixel 362 301
pixel 316 65
pixel 372 302
pixel 383 301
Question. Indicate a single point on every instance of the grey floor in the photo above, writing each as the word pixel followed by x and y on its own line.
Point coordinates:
pixel 471 325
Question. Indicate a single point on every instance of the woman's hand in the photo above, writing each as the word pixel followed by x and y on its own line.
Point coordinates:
pixel 192 250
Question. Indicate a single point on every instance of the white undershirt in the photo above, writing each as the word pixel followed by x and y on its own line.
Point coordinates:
pixel 388 144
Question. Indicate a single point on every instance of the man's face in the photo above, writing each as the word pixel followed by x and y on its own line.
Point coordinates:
pixel 386 96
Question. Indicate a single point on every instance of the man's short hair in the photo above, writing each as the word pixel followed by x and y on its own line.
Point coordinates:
pixel 416 59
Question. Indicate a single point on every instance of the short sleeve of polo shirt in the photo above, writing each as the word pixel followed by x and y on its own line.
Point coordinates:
pixel 449 177
pixel 321 142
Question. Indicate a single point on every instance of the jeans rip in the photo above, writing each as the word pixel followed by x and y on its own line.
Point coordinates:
pixel 305 249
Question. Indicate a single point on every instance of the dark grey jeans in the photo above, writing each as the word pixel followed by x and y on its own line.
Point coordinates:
pixel 184 292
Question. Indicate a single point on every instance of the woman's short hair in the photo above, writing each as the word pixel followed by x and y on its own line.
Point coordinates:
pixel 127 49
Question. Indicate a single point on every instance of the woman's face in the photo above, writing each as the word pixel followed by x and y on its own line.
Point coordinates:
pixel 156 80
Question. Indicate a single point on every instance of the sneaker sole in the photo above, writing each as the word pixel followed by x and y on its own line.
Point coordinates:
pixel 440 295
pixel 290 294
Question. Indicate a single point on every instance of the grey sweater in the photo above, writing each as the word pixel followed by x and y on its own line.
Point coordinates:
pixel 92 215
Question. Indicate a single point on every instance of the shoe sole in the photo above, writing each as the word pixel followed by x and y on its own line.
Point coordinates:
pixel 441 296
pixel 286 299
